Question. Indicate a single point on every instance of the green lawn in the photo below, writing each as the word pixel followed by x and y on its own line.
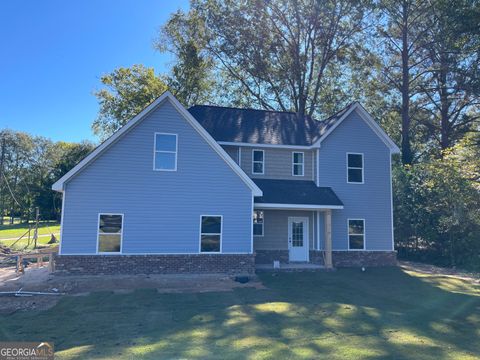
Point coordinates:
pixel 380 314
pixel 17 230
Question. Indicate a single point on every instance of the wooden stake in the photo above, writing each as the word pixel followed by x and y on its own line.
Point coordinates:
pixel 35 233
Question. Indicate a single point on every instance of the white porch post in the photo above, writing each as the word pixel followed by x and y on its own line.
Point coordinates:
pixel 328 239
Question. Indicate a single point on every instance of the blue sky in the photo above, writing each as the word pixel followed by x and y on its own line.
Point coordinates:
pixel 53 52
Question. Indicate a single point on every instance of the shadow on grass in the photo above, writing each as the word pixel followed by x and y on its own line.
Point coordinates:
pixel 383 313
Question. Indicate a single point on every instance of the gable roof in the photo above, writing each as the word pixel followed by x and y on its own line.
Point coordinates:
pixel 166 96
pixel 296 192
pixel 335 120
pixel 276 128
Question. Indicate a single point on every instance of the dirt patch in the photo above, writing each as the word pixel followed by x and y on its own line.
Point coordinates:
pixel 39 279
pixel 436 270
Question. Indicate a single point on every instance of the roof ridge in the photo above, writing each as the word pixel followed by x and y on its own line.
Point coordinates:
pixel 278 111
pixel 339 111
pixel 250 109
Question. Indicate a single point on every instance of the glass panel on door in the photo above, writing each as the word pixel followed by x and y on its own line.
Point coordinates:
pixel 297 233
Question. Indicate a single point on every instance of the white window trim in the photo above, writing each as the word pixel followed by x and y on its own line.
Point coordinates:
pixel 294 163
pixel 364 234
pixel 98 235
pixel 253 162
pixel 263 224
pixel 155 151
pixel 200 235
pixel 352 167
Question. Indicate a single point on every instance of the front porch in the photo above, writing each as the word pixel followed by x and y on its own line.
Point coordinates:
pixel 293 222
pixel 294 237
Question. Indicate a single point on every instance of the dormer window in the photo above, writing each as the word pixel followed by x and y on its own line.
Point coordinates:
pixel 258 162
pixel 165 152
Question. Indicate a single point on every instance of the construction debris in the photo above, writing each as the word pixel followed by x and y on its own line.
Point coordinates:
pixel 5 250
pixel 19 292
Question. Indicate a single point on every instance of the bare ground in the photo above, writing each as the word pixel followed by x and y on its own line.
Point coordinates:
pixel 436 270
pixel 40 280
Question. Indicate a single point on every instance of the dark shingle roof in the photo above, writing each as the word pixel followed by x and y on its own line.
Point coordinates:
pixel 261 126
pixel 255 126
pixel 295 192
pixel 327 123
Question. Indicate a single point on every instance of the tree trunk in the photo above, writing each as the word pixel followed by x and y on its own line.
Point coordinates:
pixel 2 164
pixel 405 90
pixel 302 104
pixel 444 105
pixel 14 187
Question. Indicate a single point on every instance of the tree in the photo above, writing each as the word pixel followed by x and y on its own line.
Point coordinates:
pixel 437 218
pixel 191 78
pixel 127 92
pixel 403 25
pixel 278 54
pixel 31 164
pixel 451 92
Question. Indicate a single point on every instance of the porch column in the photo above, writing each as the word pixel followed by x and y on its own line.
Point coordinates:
pixel 328 238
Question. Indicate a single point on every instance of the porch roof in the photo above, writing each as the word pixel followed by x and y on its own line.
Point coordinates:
pixel 293 194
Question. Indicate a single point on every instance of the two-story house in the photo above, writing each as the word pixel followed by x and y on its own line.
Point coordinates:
pixel 218 189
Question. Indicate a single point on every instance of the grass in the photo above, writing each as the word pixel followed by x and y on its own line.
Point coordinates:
pixel 16 230
pixel 380 314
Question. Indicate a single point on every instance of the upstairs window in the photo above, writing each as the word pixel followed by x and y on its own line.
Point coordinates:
pixel 297 163
pixel 210 233
pixel 355 168
pixel 110 233
pixel 258 223
pixel 165 152
pixel 356 234
pixel 258 163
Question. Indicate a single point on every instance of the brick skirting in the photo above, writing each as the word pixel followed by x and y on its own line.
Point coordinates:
pixel 154 264
pixel 339 258
pixel 364 258
pixel 268 256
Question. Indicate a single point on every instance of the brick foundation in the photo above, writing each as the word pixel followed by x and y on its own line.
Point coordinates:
pixel 268 256
pixel 364 258
pixel 340 258
pixel 316 257
pixel 154 264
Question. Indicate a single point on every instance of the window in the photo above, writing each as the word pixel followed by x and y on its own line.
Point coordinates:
pixel 356 234
pixel 297 163
pixel 165 152
pixel 258 223
pixel 355 168
pixel 210 233
pixel 258 161
pixel 110 231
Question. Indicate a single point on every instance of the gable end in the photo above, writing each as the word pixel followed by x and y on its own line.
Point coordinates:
pixel 365 116
pixel 59 185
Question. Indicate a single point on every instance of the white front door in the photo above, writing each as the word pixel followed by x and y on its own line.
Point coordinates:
pixel 298 238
